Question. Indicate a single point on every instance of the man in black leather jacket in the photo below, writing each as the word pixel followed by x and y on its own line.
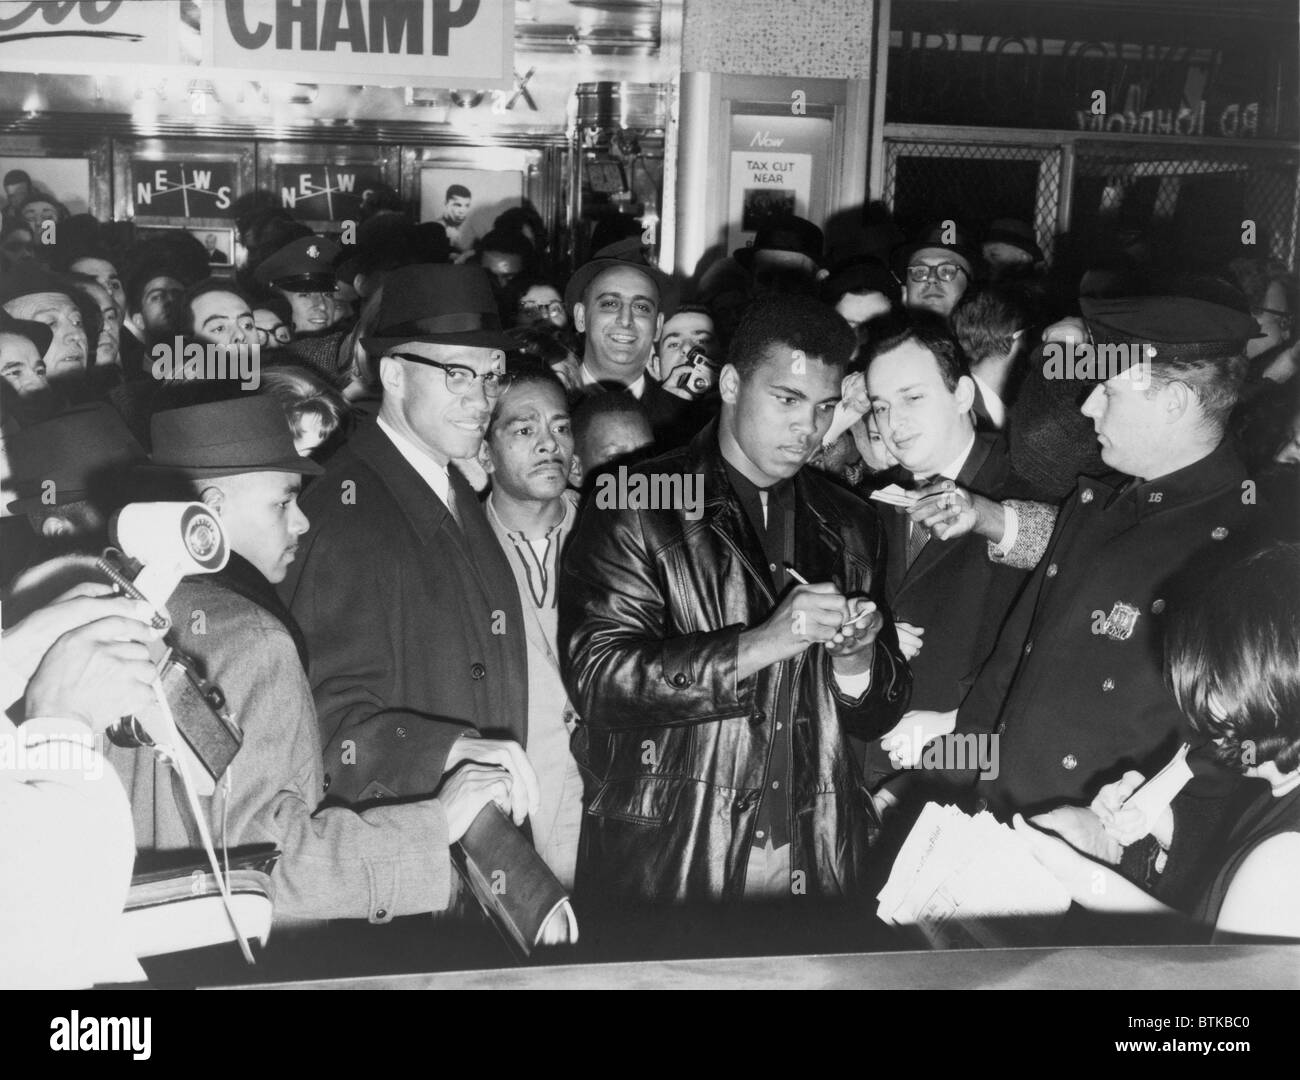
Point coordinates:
pixel 718 692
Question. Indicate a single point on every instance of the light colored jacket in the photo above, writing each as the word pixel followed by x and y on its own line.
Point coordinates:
pixel 336 863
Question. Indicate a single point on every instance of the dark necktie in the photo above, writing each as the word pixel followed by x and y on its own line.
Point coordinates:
pixel 451 501
pixel 917 535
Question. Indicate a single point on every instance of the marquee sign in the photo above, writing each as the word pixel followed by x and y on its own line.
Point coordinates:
pixel 466 44
pixel 461 43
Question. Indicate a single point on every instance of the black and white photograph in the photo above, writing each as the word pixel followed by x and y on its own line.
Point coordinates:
pixel 670 495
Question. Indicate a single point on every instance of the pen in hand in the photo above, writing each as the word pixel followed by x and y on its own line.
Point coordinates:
pixel 859 617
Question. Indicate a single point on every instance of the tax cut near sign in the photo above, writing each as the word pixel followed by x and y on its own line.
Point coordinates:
pixel 454 43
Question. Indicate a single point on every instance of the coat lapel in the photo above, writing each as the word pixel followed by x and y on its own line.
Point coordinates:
pixel 818 545
pixel 936 551
pixel 723 512
pixel 427 513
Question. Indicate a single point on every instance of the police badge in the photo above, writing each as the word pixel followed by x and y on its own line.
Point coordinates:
pixel 1120 622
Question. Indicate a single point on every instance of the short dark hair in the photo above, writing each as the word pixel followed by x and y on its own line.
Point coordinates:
pixel 277 305
pixel 599 406
pixel 526 372
pixel 797 322
pixel 546 343
pixel 1238 640
pixel 931 334
pixel 185 313
pixel 1216 382
pixel 688 309
pixel 141 276
pixel 985 321
pixel 458 191
pixel 508 242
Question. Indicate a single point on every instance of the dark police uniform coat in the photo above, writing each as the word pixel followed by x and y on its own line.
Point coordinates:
pixel 1080 661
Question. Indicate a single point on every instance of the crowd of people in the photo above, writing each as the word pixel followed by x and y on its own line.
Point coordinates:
pixel 695 580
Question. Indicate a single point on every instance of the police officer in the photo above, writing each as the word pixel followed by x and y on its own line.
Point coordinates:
pixel 1074 687
pixel 303 273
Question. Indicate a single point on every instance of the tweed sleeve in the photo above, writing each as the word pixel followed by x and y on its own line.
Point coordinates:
pixel 1029 528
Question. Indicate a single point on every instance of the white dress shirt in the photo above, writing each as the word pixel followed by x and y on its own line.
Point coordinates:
pixel 636 388
pixel 431 472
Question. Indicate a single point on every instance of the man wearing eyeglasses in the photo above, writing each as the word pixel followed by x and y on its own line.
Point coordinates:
pixel 409 607
pixel 937 269
pixel 540 304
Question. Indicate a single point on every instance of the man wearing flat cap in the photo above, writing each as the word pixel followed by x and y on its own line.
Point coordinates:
pixel 1074 687
pixel 237 456
pixel 303 273
pixel 618 300
pixel 407 601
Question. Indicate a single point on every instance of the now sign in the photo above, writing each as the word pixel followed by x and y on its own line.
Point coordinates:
pixel 454 43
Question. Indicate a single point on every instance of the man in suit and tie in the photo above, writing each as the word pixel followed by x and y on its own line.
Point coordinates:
pixel 618 302
pixel 948 596
pixel 409 607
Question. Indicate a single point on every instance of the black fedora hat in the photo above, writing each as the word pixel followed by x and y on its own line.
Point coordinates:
pixel 1018 234
pixel 438 304
pixel 789 233
pixel 947 235
pixel 628 252
pixel 31 280
pixel 60 460
pixel 223 438
pixel 37 333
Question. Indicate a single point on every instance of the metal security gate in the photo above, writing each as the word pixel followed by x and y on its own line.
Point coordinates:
pixel 1204 191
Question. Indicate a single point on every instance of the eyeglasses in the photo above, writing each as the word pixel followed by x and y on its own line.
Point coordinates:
pixel 460 378
pixel 1284 318
pixel 554 307
pixel 944 272
pixel 279 333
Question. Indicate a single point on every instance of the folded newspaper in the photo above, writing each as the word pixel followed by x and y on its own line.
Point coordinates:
pixel 970 882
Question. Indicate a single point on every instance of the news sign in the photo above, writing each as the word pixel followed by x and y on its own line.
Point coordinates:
pixel 452 43
pixel 182 189
pixel 79 36
pixel 325 192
